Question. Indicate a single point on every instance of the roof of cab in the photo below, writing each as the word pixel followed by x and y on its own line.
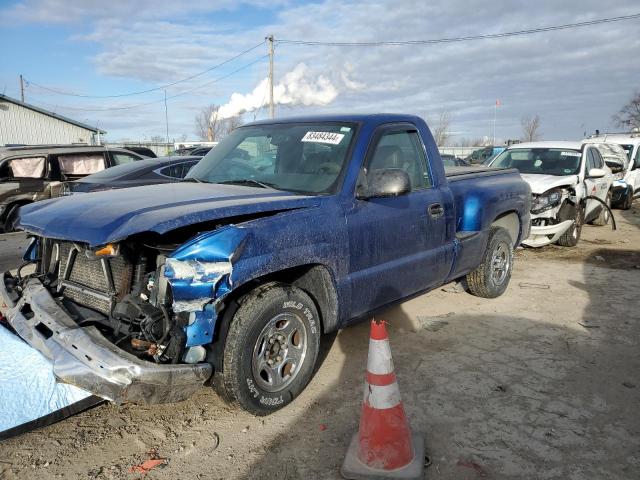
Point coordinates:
pixel 349 118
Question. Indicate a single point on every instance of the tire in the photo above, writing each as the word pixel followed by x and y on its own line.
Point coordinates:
pixel 628 200
pixel 485 281
pixel 269 319
pixel 571 237
pixel 604 216
pixel 10 219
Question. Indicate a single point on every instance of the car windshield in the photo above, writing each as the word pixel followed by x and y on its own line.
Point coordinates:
pixel 299 157
pixel 544 161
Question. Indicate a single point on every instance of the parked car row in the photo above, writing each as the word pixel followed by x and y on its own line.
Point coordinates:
pixel 32 173
pixel 575 183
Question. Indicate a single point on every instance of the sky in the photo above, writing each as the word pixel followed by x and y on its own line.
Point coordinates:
pixel 574 80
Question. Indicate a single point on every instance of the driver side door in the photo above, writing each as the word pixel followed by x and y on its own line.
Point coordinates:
pixel 398 245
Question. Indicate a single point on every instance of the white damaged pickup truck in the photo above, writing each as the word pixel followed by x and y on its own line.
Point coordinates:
pixel 570 185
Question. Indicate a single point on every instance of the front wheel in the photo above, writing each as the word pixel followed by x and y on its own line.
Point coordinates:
pixel 491 278
pixel 271 348
pixel 571 237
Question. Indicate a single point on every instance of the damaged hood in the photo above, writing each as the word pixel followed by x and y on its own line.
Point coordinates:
pixel 109 216
pixel 541 183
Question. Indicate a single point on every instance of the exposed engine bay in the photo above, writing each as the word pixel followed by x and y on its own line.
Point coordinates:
pixel 122 290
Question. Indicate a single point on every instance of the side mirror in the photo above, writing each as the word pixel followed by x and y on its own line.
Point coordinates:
pixel 596 173
pixel 385 182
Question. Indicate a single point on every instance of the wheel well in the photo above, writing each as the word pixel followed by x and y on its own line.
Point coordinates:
pixel 511 223
pixel 314 279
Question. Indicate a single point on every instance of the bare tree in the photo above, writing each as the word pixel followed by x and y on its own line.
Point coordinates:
pixel 158 139
pixel 205 122
pixel 210 127
pixel 441 130
pixel 629 115
pixel 530 127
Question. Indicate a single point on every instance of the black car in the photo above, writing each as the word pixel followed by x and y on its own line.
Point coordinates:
pixel 452 161
pixel 144 172
pixel 140 150
pixel 35 172
pixel 201 151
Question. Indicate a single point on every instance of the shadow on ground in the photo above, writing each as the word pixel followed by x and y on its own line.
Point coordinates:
pixel 535 395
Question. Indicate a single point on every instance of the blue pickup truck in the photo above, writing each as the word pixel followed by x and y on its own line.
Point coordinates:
pixel 285 231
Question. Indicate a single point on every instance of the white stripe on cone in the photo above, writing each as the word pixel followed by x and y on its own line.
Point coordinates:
pixel 379 361
pixel 380 398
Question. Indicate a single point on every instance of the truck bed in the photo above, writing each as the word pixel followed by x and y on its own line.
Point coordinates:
pixel 462 173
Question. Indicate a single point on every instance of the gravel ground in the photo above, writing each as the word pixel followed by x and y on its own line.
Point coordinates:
pixel 543 382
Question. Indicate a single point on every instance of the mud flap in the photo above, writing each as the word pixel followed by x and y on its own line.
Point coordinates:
pixel 30 396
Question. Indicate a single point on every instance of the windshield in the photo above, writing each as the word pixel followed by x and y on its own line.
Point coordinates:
pixel 298 157
pixel 544 161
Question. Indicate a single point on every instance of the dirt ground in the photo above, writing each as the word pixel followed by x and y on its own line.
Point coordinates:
pixel 542 383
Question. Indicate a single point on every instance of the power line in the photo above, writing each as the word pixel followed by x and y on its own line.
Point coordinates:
pixel 161 87
pixel 128 107
pixel 565 26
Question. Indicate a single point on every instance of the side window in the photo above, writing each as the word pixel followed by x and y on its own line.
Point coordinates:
pixel 177 170
pixel 636 162
pixel 28 167
pixel 591 161
pixel 402 150
pixel 81 163
pixel 186 166
pixel 598 158
pixel 167 171
pixel 122 158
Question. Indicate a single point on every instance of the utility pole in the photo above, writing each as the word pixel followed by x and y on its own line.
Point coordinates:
pixel 272 112
pixel 21 88
pixel 166 119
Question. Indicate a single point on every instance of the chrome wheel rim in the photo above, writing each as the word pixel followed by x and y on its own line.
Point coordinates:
pixel 279 352
pixel 500 263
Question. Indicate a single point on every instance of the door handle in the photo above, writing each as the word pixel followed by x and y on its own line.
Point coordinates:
pixel 436 210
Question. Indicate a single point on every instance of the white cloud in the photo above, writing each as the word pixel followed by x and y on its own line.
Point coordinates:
pixel 574 79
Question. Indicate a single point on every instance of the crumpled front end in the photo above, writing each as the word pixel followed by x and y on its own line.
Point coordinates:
pixel 546 224
pixel 129 322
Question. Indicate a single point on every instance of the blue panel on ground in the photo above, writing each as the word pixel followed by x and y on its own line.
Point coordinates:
pixel 29 390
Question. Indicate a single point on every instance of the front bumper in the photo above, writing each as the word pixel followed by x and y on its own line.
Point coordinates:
pixel 82 356
pixel 619 192
pixel 541 236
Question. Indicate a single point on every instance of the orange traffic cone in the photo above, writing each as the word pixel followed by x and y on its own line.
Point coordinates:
pixel 384 446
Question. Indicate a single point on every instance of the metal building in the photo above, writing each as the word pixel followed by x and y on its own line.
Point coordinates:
pixel 22 123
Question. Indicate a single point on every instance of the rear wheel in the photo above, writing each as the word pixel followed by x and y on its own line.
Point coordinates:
pixel 492 276
pixel 271 348
pixel 571 237
pixel 605 215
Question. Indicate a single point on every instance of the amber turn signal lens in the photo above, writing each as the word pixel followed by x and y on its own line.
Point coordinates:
pixel 107 250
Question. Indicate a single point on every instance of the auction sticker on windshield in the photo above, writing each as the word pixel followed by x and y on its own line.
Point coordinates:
pixel 323 137
pixel 570 154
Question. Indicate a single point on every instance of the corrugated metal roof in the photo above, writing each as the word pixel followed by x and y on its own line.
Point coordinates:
pixel 51 114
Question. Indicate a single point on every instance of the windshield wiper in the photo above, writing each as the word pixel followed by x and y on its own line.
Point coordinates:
pixel 192 179
pixel 249 182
